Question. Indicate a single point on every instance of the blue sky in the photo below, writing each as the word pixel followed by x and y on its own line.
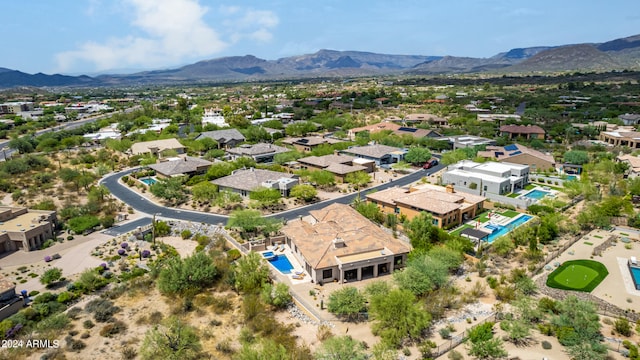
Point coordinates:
pixel 89 36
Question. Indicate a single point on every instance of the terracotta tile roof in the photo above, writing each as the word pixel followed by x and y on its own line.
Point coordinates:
pixel 249 179
pixel 430 198
pixel 156 145
pixel 183 166
pixel 634 161
pixel 326 160
pixel 224 135
pixel 342 169
pixel 258 149
pixel 493 152
pixel 316 239
pixel 373 151
pixel 522 129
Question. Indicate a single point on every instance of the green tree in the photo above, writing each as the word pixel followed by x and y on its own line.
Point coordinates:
pixel 577 322
pixel 370 211
pixel 347 302
pixel 174 340
pixel 304 192
pixel 265 196
pixel 50 276
pixel 398 316
pixel 482 343
pixel 423 233
pixel 417 155
pixel 204 191
pixel 21 144
pixel 503 246
pixel 322 178
pixel 252 221
pixel 188 276
pixel 171 190
pixel 250 272
pixel 422 274
pixel 358 179
pixel 220 169
pixel 341 348
pixel 576 157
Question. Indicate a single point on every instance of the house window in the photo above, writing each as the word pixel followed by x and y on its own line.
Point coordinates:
pixel 485 188
pixel 398 260
pixel 396 210
pixel 434 221
pixel 327 274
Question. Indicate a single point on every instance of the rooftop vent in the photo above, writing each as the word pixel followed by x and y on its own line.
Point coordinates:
pixel 338 242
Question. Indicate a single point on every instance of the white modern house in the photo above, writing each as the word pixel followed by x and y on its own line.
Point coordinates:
pixel 213 116
pixel 489 177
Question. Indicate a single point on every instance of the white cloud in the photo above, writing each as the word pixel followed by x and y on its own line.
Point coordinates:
pixel 249 24
pixel 166 33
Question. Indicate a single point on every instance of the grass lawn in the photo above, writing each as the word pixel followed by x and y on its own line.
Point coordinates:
pixel 530 187
pixel 510 213
pixel 624 234
pixel 483 217
pixel 588 243
pixel 513 195
pixel 597 236
pixel 577 275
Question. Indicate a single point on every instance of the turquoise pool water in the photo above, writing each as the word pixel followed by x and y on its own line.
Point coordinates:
pixel 282 263
pixel 149 181
pixel 499 230
pixel 571 177
pixel 536 194
pixel 635 274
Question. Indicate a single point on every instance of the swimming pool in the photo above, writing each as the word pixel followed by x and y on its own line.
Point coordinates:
pixel 269 255
pixel 499 230
pixel 572 177
pixel 282 263
pixel 635 275
pixel 536 194
pixel 149 181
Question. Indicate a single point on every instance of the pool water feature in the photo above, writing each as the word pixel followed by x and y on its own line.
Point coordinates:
pixel 500 230
pixel 536 194
pixel 269 255
pixel 282 263
pixel 149 181
pixel 635 275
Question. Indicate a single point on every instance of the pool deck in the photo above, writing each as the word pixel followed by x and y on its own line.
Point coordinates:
pixel 294 262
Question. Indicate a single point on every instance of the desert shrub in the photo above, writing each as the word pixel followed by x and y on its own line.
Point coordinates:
pixel 185 234
pixel 74 312
pixel 102 309
pixel 128 353
pixel 113 329
pixel 54 322
pixel 234 254
pixel 75 345
pixel 220 304
pixel 455 355
pixel 623 327
pixel 88 324
pixel 546 345
pixel 65 297
pixel 445 333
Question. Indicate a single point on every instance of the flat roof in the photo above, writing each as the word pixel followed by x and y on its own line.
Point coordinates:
pixel 368 255
pixel 472 174
pixel 22 222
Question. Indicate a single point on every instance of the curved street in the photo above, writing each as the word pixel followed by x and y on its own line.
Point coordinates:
pixel 144 205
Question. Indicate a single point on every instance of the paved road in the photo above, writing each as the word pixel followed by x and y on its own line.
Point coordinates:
pixel 144 205
pixel 126 227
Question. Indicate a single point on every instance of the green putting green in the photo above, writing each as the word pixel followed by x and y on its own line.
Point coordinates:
pixel 577 275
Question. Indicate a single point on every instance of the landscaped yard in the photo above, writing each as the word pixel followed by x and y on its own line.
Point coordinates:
pixel 510 213
pixel 578 275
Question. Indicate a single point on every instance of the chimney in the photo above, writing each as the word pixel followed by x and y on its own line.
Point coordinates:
pixel 450 189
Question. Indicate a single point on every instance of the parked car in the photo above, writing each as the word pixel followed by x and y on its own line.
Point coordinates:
pixel 429 164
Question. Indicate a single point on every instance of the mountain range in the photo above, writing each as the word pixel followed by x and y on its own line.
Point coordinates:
pixel 618 54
